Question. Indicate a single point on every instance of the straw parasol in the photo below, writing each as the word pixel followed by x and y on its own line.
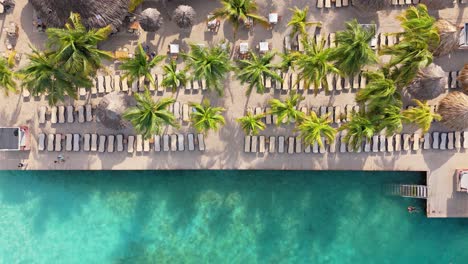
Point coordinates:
pixel 449 37
pixel 463 78
pixel 371 5
pixel 94 13
pixel 454 110
pixel 437 4
pixel 429 83
pixel 150 20
pixel 184 16
pixel 110 109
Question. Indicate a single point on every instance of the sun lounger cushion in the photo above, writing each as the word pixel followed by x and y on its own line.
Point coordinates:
pixel 450 138
pixel 443 141
pixel 191 142
pixel 139 143
pixel 272 144
pixel 76 142
pixel 157 143
pixel 50 142
pixel 86 142
pixel 119 139
pixel 110 143
pixel 375 144
pixel 253 144
pixel 102 143
pixel 58 142
pixel 290 145
pixel 397 142
pixel 61 114
pixel 81 117
pixel 406 143
pixel 41 142
pixel 298 144
pixel 342 144
pixel 280 144
pixel 180 142
pixel 416 141
pixel 146 145
pixel 70 117
pixel 435 140
pixel 427 141
pixel 173 142
pixel 94 140
pixel 247 143
pixel 53 115
pixel 89 114
pixel 457 140
pixel 166 143
pixel 69 142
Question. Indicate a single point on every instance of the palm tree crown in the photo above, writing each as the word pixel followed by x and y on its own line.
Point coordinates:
pixel 353 50
pixel 7 77
pixel 140 65
pixel 421 115
pixel 237 11
pixel 210 64
pixel 205 117
pixel 252 124
pixel 378 93
pixel 255 70
pixel 358 128
pixel 287 111
pixel 313 128
pixel 173 78
pixel 299 21
pixel 148 117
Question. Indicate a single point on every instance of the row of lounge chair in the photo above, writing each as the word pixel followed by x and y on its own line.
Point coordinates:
pixel 61 114
pixel 378 143
pixel 332 3
pixel 181 111
pixel 111 143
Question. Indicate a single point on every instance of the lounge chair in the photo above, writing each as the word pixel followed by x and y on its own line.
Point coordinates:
pixel 338 83
pixel 348 112
pixel 166 143
pixel 435 140
pixel 146 145
pixel 26 93
pixel 50 142
pixel 160 86
pixel 356 108
pixel 268 84
pixel 332 147
pixel 196 85
pixel 130 144
pixel 110 143
pixel 53 115
pixel 102 143
pixel 108 83
pixel 76 142
pixel 139 143
pixel 185 113
pixel 390 147
pixel 94 87
pixel 135 86
pixel 89 113
pixel 141 84
pixel 338 3
pixel 416 141
pixel 173 142
pixel 290 145
pixel 363 81
pixel 304 110
pixel 427 141
pixel 61 114
pixel 286 81
pixel 294 83
pixel 117 86
pixel 94 139
pixel 382 143
pixel 280 144
pixel 247 143
pixel 70 115
pixel 58 142
pixel 203 84
pixel 331 81
pixel 201 142
pixel 298 144
pixel 272 144
pixel 41 142
pixel 86 142
pixel 397 142
pixel 68 142
pixel 261 144
pixel 375 143
pixel 443 141
pixel 450 138
pixel 42 114
pixel 355 81
pixel 81 116
pixel 268 116
pixel 253 144
pixel 337 115
pixel 406 142
pixel 157 143
pixel 322 149
pixel 315 147
pixel 394 2
pixel 177 110
pixel 307 148
pixel 465 139
pixel 327 3
pixel 345 2
pixel 323 110
pixel 180 142
pixel 319 3
pixel 346 83
pixel 124 85
pixel 367 145
pixel 152 85
pixel 100 84
pixel 330 112
pixel 191 142
pixel 457 139
pixel 119 139
pixel 342 144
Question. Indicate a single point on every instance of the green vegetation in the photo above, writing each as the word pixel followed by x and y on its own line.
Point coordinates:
pixel 421 115
pixel 210 64
pixel 238 11
pixel 299 21
pixel 312 128
pixel 173 78
pixel 358 128
pixel 252 124
pixel 7 77
pixel 205 117
pixel 148 117
pixel 254 71
pixel 287 111
pixel 133 5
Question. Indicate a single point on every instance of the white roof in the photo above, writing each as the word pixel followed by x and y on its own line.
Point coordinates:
pixel 174 48
pixel 273 18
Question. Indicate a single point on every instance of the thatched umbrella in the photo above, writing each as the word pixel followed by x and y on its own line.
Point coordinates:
pixel 111 107
pixel 94 13
pixel 449 37
pixel 463 78
pixel 454 110
pixel 150 20
pixel 437 4
pixel 184 16
pixel 371 5
pixel 429 83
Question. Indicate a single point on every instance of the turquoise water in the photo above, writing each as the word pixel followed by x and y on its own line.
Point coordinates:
pixel 218 217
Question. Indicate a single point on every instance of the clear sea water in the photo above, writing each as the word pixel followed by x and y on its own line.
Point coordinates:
pixel 219 217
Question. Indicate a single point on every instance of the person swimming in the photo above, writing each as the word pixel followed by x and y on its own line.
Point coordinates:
pixel 412 209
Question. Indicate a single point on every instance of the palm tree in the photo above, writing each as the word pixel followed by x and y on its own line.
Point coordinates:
pixel 358 128
pixel 7 77
pixel 237 11
pixel 353 50
pixel 421 115
pixel 140 65
pixel 288 60
pixel 205 117
pixel 312 128
pixel 148 117
pixel 299 21
pixel 254 71
pixel 173 78
pixel 43 76
pixel 314 65
pixel 418 25
pixel 252 124
pixel 76 47
pixel 389 119
pixel 287 111
pixel 210 64
pixel 378 93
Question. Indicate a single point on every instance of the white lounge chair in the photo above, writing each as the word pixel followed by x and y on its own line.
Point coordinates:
pixel 146 145
pixel 272 144
pixel 203 84
pixel 160 86
pixel 201 142
pixel 390 147
pixel 141 84
pixel 465 139
pixel 100 84
pixel 108 85
pixel 348 112
pixel 152 85
pixel 166 143
pixel 286 81
pixel 247 143
pixel 81 116
pixel 443 141
pixel 268 116
pixel 119 139
pixel 315 148
pixel 319 3
pixel 110 143
pixel 185 113
pixel 61 114
pixel 42 114
pixel 124 85
pixel 89 113
pixel 102 143
pixel 397 142
pixel 139 143
pixel 68 142
pixel 375 143
pixel 450 138
pixel 191 142
pixel 322 149
pixel 280 144
pixel 416 141
pixel 53 115
pixel 196 85
pixel 458 140
pixel 435 140
pixel 180 142
pixel 41 142
pixel 86 142
pixel 290 145
pixel 76 142
pixel 173 142
pixel 406 142
pixel 298 144
pixel 58 142
pixel 135 86
pixel 363 81
pixel 117 86
pixel 177 110
pixel 347 83
pixel 253 144
pixel 70 114
pixel 26 93
pixel 94 87
pixel 367 145
pixel 355 81
pixel 342 144
pixel 261 145
pixel 50 142
pixel 427 141
pixel 337 115
pixel 94 139
pixel 157 143
pixel 130 144
pixel 332 147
